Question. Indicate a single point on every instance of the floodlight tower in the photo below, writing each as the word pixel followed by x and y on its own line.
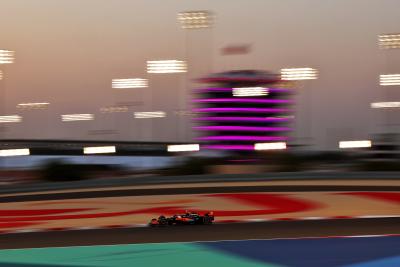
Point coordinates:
pixel 137 85
pixel 390 44
pixel 299 75
pixel 6 57
pixel 198 27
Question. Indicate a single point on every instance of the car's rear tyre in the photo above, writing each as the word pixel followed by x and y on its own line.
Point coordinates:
pixel 207 220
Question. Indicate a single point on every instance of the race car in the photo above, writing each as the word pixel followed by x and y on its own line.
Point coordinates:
pixel 188 218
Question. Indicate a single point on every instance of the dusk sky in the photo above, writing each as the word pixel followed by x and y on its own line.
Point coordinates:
pixel 68 51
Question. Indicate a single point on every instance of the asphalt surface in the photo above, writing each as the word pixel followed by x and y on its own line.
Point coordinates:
pixel 198 190
pixel 234 231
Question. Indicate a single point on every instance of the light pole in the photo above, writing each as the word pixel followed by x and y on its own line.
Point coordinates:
pixel 190 21
pixel 303 74
pixel 6 57
pixel 389 42
pixel 123 85
pixel 166 67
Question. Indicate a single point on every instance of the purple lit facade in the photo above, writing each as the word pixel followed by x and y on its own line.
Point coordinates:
pixel 226 121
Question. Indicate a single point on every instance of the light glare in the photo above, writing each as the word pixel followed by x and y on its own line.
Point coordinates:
pixel 389 41
pixel 250 91
pixel 28 106
pixel 183 148
pixel 385 105
pixel 6 57
pixel 166 66
pixel 14 152
pixel 270 146
pixel 195 19
pixel 10 119
pixel 296 74
pixel 99 150
pixel 355 144
pixel 114 109
pixel 77 117
pixel 129 83
pixel 149 114
pixel 389 79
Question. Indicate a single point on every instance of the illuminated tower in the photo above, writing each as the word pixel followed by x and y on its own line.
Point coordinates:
pixel 243 110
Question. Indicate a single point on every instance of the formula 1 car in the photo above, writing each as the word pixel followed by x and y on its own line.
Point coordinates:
pixel 188 218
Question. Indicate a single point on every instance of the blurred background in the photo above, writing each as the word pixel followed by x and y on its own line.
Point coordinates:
pixel 119 88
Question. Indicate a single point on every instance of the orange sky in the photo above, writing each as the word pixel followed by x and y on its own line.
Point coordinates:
pixel 67 52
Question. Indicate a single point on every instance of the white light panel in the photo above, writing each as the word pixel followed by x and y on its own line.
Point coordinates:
pixel 166 66
pixel 14 152
pixel 77 117
pixel 195 19
pixel 29 106
pixel 270 146
pixel 389 41
pixel 355 144
pixel 297 74
pixel 6 57
pixel 249 91
pixel 149 114
pixel 389 79
pixel 385 105
pixel 183 148
pixel 114 109
pixel 10 119
pixel 99 150
pixel 129 83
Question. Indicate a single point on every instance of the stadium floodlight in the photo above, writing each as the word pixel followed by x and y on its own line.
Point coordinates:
pixel 15 152
pixel 149 114
pixel 10 119
pixel 77 117
pixel 355 144
pixel 389 41
pixel 129 83
pixel 166 66
pixel 183 148
pixel 29 106
pixel 195 19
pixel 114 109
pixel 297 74
pixel 270 146
pixel 250 91
pixel 389 79
pixel 6 57
pixel 99 150
pixel 385 105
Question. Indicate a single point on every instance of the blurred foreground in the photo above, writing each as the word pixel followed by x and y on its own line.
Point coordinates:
pixel 27 169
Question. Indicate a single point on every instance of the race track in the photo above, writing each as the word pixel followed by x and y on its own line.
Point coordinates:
pixel 233 231
pixel 286 226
